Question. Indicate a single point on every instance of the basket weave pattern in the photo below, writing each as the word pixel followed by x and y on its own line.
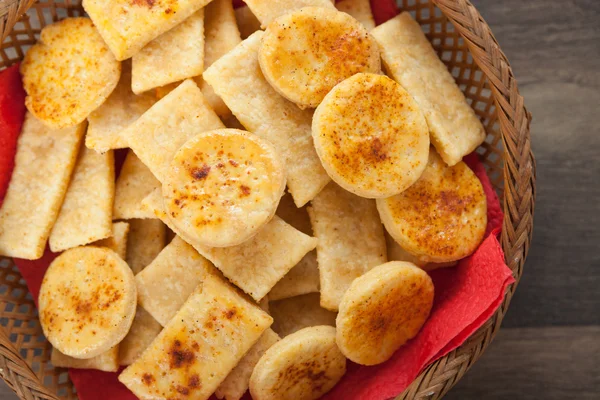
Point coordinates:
pixel 466 45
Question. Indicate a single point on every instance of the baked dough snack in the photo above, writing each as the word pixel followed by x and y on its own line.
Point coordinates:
pixel 371 136
pixel 143 331
pixel 199 347
pixel 175 55
pixel 37 187
pixel 382 310
pixel 351 240
pixel 411 60
pixel 67 78
pixel 303 365
pixel 267 10
pixel 126 26
pixel 157 135
pixel 305 53
pixel 222 187
pixel 237 79
pixel 87 301
pixel 442 217
pixel 238 380
pixel 359 9
pixel 134 183
pixel 121 109
pixel 86 213
pixel 147 238
pixel 165 284
pixel 299 312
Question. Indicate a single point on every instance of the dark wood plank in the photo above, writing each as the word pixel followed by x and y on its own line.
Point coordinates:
pixel 536 363
pixel 553 46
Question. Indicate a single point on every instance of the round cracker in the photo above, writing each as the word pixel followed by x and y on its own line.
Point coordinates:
pixel 382 310
pixel 87 301
pixel 371 136
pixel 69 73
pixel 304 54
pixel 223 186
pixel 442 217
pixel 304 365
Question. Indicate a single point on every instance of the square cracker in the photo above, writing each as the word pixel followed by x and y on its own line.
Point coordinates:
pixel 221 35
pixel 143 331
pixel 128 25
pixel 351 240
pixel 267 10
pixel 256 265
pixel 238 380
pixel 107 361
pixel 360 10
pixel 86 213
pixel 134 183
pixel 200 345
pixel 120 110
pixel 410 59
pixel 295 313
pixel 117 242
pixel 165 284
pixel 147 238
pixel 37 187
pixel 303 277
pixel 246 21
pixel 237 79
pixel 175 55
pixel 157 135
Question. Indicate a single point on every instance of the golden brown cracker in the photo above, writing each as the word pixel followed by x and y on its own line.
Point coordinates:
pixel 86 213
pixel 37 187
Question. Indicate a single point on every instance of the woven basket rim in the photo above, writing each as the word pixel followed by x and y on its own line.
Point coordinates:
pixel 519 200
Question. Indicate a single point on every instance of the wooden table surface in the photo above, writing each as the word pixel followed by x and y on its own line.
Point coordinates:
pixel 549 345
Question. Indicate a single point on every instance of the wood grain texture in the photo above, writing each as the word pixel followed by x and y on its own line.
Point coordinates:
pixel 553 48
pixel 536 363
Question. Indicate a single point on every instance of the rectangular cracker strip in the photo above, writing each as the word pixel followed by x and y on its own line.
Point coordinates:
pixel 175 55
pixel 410 59
pixel 134 183
pixel 37 187
pixel 143 331
pixel 126 26
pixel 295 313
pixel 221 35
pixel 119 111
pixel 256 265
pixel 200 346
pixel 303 277
pixel 107 361
pixel 86 213
pixel 267 10
pixel 238 380
pixel 147 238
pixel 157 135
pixel 165 284
pixel 359 9
pixel 246 21
pixel 238 80
pixel 351 240
pixel 117 241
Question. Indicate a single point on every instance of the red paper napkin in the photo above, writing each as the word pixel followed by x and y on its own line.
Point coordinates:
pixel 466 296
pixel 12 112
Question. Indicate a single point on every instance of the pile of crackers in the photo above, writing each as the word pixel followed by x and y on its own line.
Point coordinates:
pixel 293 171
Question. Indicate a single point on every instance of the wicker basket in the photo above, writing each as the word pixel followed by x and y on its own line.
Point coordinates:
pixel 467 46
